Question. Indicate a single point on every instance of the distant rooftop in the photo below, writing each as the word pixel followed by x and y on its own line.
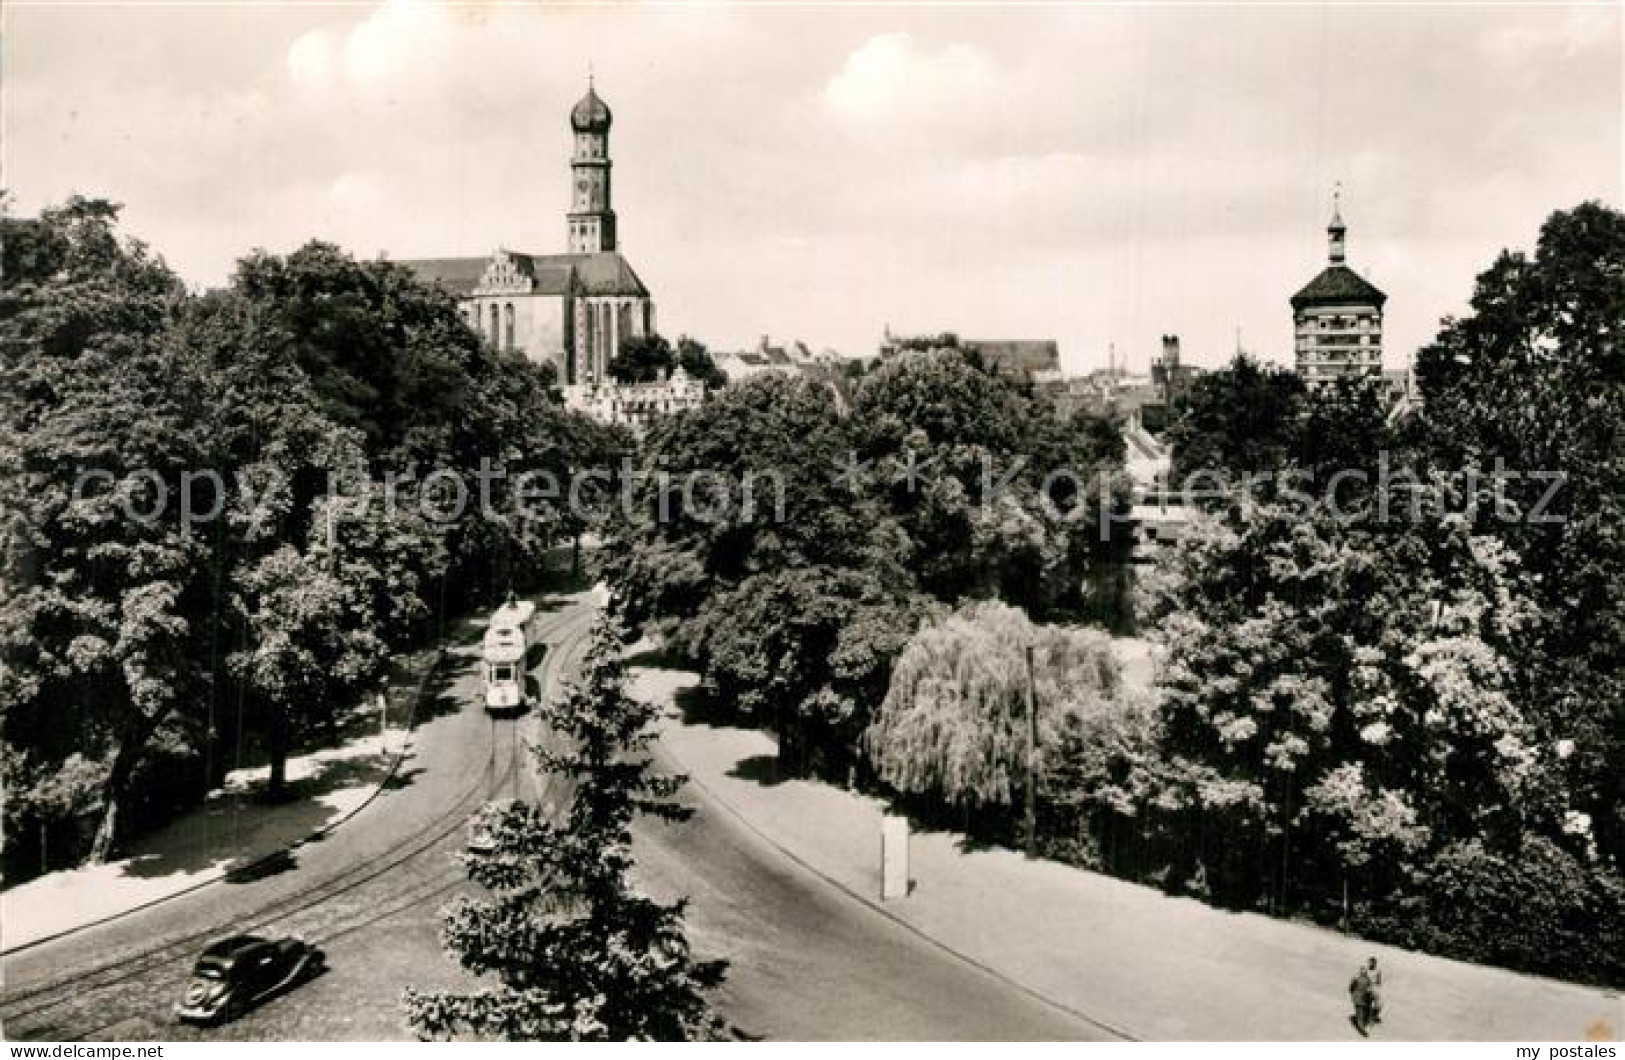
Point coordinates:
pixel 1018 355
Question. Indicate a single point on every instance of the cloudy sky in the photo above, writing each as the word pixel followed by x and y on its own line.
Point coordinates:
pixel 1095 174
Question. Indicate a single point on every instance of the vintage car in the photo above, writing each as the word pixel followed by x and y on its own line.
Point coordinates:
pixel 234 974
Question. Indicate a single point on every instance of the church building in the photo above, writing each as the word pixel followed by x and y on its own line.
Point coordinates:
pixel 571 310
pixel 1337 318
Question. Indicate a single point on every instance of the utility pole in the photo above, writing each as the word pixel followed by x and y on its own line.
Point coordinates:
pixel 1032 760
pixel 332 536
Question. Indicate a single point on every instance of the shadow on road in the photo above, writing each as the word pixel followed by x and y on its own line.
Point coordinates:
pixel 273 864
pixel 238 827
pixel 761 769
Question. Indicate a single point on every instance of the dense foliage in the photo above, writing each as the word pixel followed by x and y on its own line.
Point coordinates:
pixel 953 727
pixel 226 510
pixel 646 358
pixel 1245 420
pixel 577 953
pixel 1389 694
pixel 790 549
pixel 1528 390
pixel 1393 692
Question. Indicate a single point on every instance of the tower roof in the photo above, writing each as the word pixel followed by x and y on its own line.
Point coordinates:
pixel 591 114
pixel 1338 285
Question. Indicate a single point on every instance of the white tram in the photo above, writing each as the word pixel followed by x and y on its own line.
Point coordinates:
pixel 507 640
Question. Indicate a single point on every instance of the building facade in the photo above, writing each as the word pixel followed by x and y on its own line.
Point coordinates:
pixel 570 310
pixel 1337 318
pixel 635 405
pixel 1171 376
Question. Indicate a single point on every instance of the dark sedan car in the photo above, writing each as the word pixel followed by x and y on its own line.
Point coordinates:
pixel 235 974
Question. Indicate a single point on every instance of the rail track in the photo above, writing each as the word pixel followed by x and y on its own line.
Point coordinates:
pixel 412 870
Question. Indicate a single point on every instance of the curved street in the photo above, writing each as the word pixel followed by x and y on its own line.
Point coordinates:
pixel 806 961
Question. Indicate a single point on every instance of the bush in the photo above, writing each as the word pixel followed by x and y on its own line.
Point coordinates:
pixel 1537 909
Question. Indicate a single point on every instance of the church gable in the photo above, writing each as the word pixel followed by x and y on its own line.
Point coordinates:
pixel 505 273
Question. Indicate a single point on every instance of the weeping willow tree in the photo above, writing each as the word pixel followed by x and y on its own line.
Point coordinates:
pixel 953 726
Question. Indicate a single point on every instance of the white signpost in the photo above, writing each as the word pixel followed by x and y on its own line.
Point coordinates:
pixel 893 857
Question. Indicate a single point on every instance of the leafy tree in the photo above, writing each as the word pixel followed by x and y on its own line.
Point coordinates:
pixel 997 495
pixel 695 359
pixel 593 458
pixel 642 359
pixel 1543 909
pixel 1345 435
pixel 1341 700
pixel 131 626
pixel 753 506
pixel 751 481
pixel 1528 391
pixel 305 653
pixel 394 361
pixel 96 639
pixel 384 353
pixel 576 952
pixel 646 358
pixel 954 724
pixel 41 801
pixel 795 606
pixel 806 651
pixel 1242 421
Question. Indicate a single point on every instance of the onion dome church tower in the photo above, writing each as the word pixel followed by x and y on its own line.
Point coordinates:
pixel 574 310
pixel 592 220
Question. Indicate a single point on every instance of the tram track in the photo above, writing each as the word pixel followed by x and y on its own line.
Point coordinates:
pixel 45 1008
pixel 76 988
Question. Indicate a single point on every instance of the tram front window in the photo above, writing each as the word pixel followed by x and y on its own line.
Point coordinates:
pixel 502 673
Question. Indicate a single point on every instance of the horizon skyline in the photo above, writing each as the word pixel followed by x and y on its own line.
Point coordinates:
pixel 1035 178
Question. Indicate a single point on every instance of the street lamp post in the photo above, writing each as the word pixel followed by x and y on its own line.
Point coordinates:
pixel 1031 812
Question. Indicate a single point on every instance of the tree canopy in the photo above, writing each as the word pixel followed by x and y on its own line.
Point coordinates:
pixel 646 358
pixel 790 549
pixel 953 725
pixel 225 510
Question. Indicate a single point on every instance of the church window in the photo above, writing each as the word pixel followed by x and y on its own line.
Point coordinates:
pixel 507 312
pixel 496 327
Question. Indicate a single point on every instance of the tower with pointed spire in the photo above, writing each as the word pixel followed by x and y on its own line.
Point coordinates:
pixel 591 217
pixel 1337 316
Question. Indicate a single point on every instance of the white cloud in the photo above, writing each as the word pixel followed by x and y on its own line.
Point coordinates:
pixel 313 61
pixel 1093 174
pixel 892 78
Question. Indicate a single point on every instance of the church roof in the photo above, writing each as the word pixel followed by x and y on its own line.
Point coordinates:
pixel 1338 285
pixel 606 273
pixel 554 274
pixel 459 276
pixel 591 114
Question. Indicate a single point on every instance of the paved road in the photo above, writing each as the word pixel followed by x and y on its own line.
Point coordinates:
pixel 806 961
pixel 368 893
